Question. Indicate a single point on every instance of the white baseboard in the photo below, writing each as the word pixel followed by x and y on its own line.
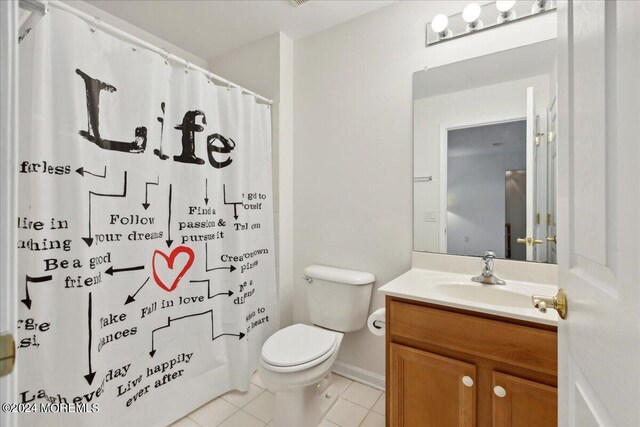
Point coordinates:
pixel 358 374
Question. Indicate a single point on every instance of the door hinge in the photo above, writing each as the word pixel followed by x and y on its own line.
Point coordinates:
pixel 537 218
pixel 549 218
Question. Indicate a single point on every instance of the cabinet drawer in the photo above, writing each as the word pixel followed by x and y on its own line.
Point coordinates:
pixel 513 344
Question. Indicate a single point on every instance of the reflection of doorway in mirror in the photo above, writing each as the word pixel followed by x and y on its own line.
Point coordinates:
pixel 477 158
pixel 515 185
pixel 537 172
pixel 552 174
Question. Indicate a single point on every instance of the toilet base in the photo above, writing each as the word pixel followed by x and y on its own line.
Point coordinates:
pixel 305 406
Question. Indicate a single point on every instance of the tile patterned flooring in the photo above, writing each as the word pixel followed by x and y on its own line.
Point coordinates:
pixel 358 405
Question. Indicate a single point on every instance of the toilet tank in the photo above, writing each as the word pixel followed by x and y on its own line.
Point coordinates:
pixel 338 299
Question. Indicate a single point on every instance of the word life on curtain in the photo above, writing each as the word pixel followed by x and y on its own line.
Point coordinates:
pixel 146 260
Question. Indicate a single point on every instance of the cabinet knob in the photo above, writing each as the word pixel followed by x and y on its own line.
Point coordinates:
pixel 467 380
pixel 499 391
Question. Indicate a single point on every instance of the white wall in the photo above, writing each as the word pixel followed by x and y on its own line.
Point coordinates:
pixel 255 66
pixel 266 67
pixel 464 108
pixel 353 144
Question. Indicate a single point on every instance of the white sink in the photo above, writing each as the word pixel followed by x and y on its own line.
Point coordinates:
pixel 484 294
pixel 458 291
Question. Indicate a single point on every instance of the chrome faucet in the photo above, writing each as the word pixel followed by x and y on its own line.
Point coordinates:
pixel 487 277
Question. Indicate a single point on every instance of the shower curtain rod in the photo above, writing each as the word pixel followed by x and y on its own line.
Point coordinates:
pixel 33 6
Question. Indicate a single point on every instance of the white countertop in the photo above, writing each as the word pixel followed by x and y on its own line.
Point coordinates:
pixel 512 300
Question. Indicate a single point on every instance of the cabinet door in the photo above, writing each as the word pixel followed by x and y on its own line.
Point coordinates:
pixel 519 402
pixel 430 390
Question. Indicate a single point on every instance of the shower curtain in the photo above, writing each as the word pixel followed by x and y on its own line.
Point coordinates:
pixel 146 237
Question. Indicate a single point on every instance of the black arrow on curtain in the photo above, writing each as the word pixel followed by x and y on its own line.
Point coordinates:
pixel 132 298
pixel 27 300
pixel 89 239
pixel 169 241
pixel 89 377
pixel 146 203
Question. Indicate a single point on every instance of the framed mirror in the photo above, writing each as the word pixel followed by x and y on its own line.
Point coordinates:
pixel 485 170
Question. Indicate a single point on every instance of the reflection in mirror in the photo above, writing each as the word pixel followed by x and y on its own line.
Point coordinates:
pixel 485 155
pixel 515 189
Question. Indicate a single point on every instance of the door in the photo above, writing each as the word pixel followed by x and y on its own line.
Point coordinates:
pixel 599 208
pixel 430 390
pixel 532 174
pixel 519 402
pixel 536 182
pixel 541 164
pixel 8 148
pixel 552 174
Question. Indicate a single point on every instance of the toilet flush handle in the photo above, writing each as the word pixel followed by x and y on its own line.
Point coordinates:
pixel 308 279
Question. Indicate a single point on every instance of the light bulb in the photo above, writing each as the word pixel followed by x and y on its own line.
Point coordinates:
pixel 505 5
pixel 471 15
pixel 439 26
pixel 439 23
pixel 505 8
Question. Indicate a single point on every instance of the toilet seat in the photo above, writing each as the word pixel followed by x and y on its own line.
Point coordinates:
pixel 298 347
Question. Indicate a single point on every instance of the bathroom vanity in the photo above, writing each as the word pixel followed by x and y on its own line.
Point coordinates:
pixel 466 354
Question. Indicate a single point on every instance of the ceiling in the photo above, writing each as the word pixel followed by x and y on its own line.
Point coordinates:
pixel 209 28
pixel 492 139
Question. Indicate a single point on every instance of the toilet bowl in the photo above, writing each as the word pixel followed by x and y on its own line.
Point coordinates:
pixel 296 361
pixel 296 365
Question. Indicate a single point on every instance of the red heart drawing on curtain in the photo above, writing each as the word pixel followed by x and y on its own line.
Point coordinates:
pixel 170 261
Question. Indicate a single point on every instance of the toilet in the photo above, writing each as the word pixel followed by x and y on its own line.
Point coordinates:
pixel 296 361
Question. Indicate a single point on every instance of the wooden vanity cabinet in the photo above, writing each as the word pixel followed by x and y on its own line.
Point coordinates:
pixel 449 367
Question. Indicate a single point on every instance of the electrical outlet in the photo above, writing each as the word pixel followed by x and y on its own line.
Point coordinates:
pixel 430 216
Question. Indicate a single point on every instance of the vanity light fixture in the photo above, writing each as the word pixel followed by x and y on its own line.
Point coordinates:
pixel 439 26
pixel 540 6
pixel 505 7
pixel 471 15
pixel 468 21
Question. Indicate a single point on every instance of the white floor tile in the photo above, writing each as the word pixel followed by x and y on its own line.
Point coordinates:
pixel 327 423
pixel 240 399
pixel 362 394
pixel 379 406
pixel 262 407
pixel 373 420
pixel 342 382
pixel 346 413
pixel 242 419
pixel 259 407
pixel 213 413
pixel 185 422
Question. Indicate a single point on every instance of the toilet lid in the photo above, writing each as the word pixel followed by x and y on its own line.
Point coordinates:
pixel 297 344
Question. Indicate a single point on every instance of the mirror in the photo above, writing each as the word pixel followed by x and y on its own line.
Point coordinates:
pixel 485 170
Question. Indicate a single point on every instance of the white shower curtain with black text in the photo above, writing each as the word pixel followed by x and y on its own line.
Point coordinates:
pixel 146 238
